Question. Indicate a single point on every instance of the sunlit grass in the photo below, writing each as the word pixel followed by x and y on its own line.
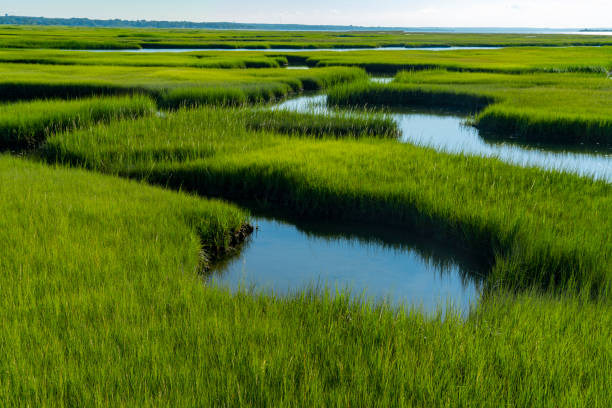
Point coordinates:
pixel 556 239
pixel 515 60
pixel 551 108
pixel 103 303
pixel 171 86
pixel 26 124
pixel 104 307
pixel 189 59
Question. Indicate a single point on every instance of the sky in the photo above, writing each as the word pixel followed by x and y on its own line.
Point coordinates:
pixel 406 13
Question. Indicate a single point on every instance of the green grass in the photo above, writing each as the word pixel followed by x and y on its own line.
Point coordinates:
pixel 557 239
pixel 549 108
pixel 106 308
pixel 344 125
pixel 104 302
pixel 189 59
pixel 171 86
pixel 509 60
pixel 26 124
pixel 398 95
pixel 112 38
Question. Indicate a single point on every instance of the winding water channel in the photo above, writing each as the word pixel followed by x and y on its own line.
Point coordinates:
pixel 285 256
pixel 449 133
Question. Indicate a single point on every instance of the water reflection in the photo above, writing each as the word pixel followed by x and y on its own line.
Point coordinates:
pixel 378 262
pixel 448 132
pixel 156 50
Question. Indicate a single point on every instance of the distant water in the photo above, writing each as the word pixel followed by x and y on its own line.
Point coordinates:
pixel 155 50
pixel 504 30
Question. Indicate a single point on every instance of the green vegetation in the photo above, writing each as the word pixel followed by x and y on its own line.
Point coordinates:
pixel 125 38
pixel 559 240
pixel 26 124
pixel 171 87
pixel 209 59
pixel 103 283
pixel 104 300
pixel 508 60
pixel 550 108
pixel 347 124
pixel 395 94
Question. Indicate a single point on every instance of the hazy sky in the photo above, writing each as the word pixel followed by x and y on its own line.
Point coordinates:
pixel 414 13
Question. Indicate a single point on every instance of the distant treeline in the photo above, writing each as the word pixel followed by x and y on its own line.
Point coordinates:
pixel 86 22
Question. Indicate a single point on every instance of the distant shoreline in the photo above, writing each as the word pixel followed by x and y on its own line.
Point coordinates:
pixel 119 23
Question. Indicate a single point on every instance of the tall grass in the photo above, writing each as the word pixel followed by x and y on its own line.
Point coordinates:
pixel 537 125
pixel 103 303
pixel 548 108
pixel 371 94
pixel 223 96
pixel 27 124
pixel 321 125
pixel 210 59
pixel 172 87
pixel 105 307
pixel 557 238
pixel 513 60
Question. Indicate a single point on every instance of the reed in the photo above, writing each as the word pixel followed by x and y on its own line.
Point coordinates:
pixel 545 108
pixel 557 240
pixel 107 308
pixel 172 87
pixel 25 125
pixel 512 60
pixel 211 59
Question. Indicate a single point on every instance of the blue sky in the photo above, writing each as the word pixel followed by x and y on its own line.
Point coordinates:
pixel 414 13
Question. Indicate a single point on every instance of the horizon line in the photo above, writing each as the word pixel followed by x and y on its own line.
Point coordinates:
pixel 308 25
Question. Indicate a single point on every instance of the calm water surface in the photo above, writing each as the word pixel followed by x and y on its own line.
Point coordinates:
pixel 448 132
pixel 383 263
pixel 298 50
pixel 380 263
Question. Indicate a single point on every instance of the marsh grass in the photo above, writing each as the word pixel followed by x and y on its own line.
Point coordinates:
pixel 80 38
pixel 171 87
pixel 512 60
pixel 548 108
pixel 211 59
pixel 558 239
pixel 371 94
pixel 106 308
pixel 25 125
pixel 341 125
pixel 103 304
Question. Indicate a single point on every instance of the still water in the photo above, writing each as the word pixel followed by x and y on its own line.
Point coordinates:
pixel 383 264
pixel 448 133
pixel 145 50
